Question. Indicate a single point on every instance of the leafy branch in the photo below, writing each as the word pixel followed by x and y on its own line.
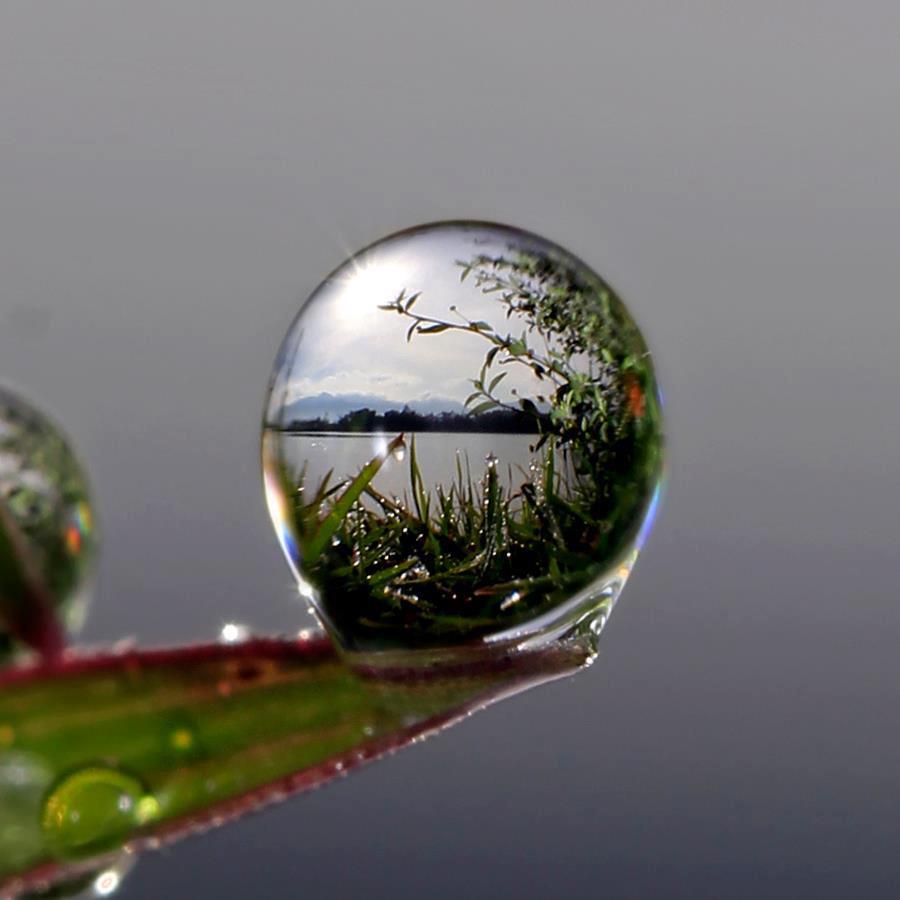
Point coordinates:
pixel 575 338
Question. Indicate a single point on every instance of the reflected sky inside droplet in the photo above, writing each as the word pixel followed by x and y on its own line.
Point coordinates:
pixel 462 434
pixel 350 346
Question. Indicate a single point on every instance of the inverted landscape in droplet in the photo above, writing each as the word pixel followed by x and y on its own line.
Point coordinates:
pixel 47 535
pixel 462 441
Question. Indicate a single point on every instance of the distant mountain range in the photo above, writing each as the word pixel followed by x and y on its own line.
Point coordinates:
pixel 333 406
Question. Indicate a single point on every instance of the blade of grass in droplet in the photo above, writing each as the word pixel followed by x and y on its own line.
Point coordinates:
pixel 420 495
pixel 313 548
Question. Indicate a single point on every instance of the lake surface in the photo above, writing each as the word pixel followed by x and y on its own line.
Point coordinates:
pixel 438 456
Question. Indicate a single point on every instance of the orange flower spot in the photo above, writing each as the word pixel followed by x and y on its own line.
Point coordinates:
pixel 635 396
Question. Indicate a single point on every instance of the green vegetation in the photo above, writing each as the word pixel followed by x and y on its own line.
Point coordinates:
pixel 128 748
pixel 46 534
pixel 449 564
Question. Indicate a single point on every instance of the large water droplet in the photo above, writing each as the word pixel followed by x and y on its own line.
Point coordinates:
pixel 47 537
pixel 462 441
pixel 95 810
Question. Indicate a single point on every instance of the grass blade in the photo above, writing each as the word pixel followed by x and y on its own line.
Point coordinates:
pixel 212 732
pixel 312 549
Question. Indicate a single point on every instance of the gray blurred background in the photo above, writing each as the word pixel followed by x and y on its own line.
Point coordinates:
pixel 175 177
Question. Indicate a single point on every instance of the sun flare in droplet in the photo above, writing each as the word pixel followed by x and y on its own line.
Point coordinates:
pixel 365 288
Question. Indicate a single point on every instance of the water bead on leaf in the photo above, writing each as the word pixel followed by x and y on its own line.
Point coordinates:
pixel 47 537
pixel 103 881
pixel 93 810
pixel 462 441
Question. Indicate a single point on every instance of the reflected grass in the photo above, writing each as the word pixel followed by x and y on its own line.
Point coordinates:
pixel 451 562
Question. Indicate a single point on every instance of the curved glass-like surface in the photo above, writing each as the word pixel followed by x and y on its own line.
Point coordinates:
pixel 47 535
pixel 462 441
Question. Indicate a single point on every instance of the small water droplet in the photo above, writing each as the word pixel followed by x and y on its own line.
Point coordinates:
pixel 94 810
pixel 182 739
pixel 100 882
pixel 109 879
pixel 47 518
pixel 147 809
pixel 233 633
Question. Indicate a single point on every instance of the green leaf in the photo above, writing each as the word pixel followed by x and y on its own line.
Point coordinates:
pixel 495 381
pixel 420 494
pixel 483 407
pixel 210 727
pixel 432 329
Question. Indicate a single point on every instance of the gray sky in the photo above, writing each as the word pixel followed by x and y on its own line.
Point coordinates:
pixel 346 344
pixel 176 177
